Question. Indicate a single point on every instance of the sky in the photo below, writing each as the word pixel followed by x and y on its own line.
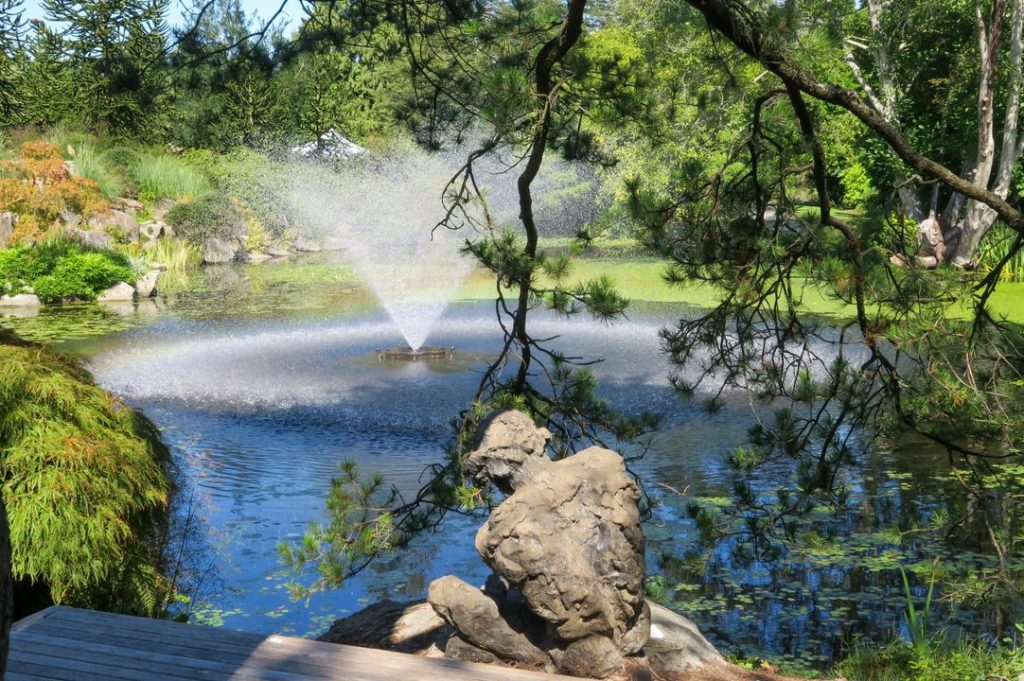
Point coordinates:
pixel 259 8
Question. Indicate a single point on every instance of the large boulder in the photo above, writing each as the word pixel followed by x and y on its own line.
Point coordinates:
pixel 20 300
pixel 7 221
pixel 119 292
pixel 117 224
pixel 90 239
pixel 219 251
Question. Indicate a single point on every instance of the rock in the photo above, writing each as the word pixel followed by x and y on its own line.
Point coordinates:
pixel 70 218
pixel 257 257
pixel 20 300
pixel 304 244
pixel 7 221
pixel 278 252
pixel 475 616
pixel 125 204
pixel 458 648
pixel 116 223
pixel 389 625
pixel 594 657
pixel 146 285
pixel 121 291
pixel 588 502
pixel 152 230
pixel 218 251
pixel 509 449
pixel 161 207
pixel 97 240
pixel 676 647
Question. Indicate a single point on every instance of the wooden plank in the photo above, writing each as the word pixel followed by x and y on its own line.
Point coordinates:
pixel 162 630
pixel 63 641
pixel 31 620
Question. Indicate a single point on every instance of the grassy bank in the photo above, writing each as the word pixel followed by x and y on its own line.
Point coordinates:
pixel 642 280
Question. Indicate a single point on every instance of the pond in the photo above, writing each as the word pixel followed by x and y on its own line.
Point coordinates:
pixel 264 378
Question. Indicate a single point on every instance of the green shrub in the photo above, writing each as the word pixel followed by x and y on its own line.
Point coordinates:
pixel 86 483
pixel 253 179
pixel 211 215
pixel 160 176
pixel 60 271
pixel 940 660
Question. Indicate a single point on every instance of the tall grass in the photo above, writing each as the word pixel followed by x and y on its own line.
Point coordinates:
pixel 996 245
pixel 181 258
pixel 91 164
pixel 159 175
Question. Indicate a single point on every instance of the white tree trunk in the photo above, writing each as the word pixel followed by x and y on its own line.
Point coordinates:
pixel 980 218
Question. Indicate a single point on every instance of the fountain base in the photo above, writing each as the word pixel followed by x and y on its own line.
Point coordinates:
pixel 407 354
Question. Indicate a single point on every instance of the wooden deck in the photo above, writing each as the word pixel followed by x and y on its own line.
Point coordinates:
pixel 67 644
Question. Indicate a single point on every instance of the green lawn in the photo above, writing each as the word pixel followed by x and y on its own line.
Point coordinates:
pixel 641 280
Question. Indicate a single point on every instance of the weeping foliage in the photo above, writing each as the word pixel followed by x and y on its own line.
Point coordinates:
pixel 86 483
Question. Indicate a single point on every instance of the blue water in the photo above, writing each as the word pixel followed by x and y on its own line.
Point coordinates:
pixel 262 392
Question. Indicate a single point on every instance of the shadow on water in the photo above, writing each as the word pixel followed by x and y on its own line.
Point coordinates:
pixel 265 379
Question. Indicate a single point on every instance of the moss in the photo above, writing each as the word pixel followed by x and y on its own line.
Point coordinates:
pixel 86 483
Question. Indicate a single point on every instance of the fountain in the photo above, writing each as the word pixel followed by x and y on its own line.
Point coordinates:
pixel 384 211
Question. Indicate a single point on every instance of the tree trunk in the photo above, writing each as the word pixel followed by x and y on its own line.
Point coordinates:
pixel 6 588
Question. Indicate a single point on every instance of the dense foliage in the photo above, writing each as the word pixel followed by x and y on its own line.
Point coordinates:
pixel 60 271
pixel 86 483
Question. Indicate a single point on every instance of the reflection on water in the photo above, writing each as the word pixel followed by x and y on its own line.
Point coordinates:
pixel 264 379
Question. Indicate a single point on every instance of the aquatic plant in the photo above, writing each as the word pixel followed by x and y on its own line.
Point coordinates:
pixel 917 620
pixel 86 481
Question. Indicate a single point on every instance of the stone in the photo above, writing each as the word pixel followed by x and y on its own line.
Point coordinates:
pixel 125 204
pixel 152 230
pixel 588 502
pixel 458 648
pixel 116 223
pixel 594 657
pixel 278 252
pixel 20 300
pixel 676 646
pixel 7 221
pixel 90 239
pixel 304 244
pixel 476 617
pixel 390 625
pixel 161 207
pixel 146 285
pixel 257 257
pixel 218 251
pixel 70 218
pixel 121 291
pixel 509 449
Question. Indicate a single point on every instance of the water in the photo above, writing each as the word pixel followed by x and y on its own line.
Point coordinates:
pixel 264 380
